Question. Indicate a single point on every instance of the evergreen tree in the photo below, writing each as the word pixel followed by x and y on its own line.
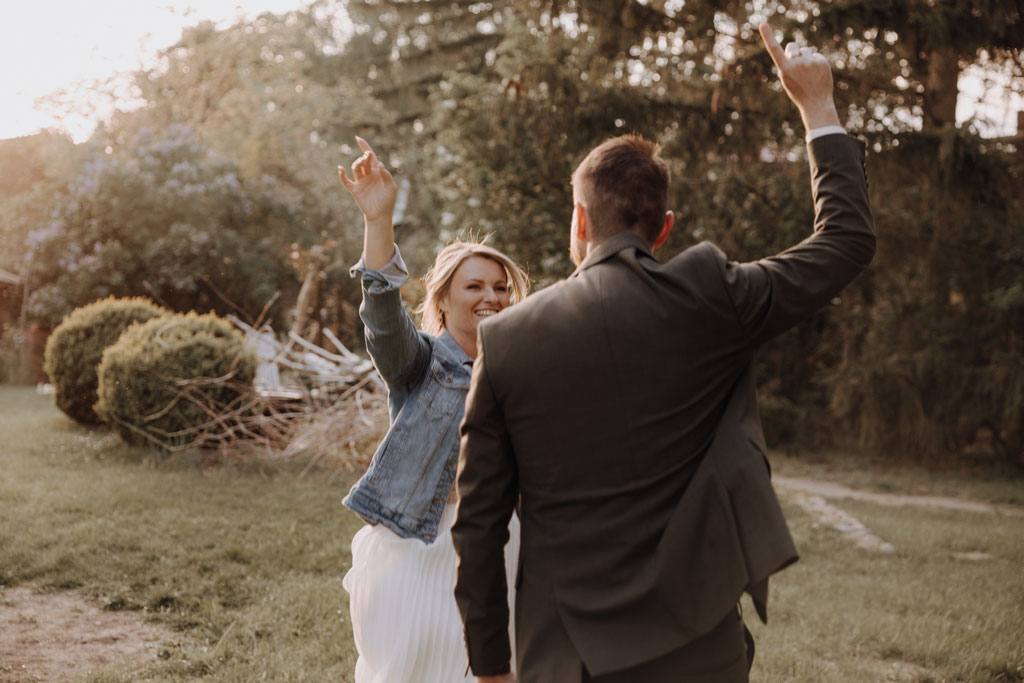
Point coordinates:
pixel 941 306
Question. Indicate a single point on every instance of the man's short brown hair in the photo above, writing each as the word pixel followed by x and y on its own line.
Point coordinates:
pixel 623 184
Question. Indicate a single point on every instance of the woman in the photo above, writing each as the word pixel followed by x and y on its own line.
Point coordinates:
pixel 404 618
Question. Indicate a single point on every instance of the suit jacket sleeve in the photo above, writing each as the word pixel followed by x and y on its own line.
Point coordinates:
pixel 487 485
pixel 772 294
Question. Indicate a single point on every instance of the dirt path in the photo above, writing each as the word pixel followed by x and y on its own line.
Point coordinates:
pixel 840 520
pixel 827 490
pixel 811 495
pixel 57 636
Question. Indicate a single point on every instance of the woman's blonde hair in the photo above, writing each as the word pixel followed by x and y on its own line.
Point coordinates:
pixel 438 280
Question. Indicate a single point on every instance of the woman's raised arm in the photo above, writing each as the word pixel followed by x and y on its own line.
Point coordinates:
pixel 374 191
pixel 399 353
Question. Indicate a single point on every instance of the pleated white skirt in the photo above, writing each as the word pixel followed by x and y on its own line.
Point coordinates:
pixel 406 625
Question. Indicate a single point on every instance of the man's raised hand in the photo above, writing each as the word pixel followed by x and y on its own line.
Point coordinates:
pixel 807 79
pixel 371 185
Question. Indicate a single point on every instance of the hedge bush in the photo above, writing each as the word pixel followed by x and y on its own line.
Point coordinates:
pixel 169 382
pixel 75 348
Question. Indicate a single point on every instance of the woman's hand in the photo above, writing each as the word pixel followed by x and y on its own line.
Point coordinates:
pixel 374 191
pixel 372 186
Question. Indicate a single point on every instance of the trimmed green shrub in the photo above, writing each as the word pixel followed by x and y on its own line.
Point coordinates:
pixel 176 381
pixel 75 348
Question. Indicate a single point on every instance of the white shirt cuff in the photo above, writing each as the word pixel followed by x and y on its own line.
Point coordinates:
pixel 825 130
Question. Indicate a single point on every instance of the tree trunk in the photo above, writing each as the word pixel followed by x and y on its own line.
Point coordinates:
pixel 941 88
pixel 308 301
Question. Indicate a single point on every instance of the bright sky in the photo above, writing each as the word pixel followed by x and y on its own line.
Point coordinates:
pixel 47 45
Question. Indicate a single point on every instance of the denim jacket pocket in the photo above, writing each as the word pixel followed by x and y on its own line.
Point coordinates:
pixel 386 460
pixel 445 390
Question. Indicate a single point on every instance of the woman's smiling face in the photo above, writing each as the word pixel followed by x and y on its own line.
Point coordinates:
pixel 479 289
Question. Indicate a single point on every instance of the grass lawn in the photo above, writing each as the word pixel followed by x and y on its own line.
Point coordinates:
pixel 245 564
pixel 255 554
pixel 922 613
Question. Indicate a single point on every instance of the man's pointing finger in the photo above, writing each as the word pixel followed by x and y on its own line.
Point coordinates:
pixel 774 49
pixel 363 145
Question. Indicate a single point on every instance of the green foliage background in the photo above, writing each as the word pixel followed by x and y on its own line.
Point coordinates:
pixel 209 192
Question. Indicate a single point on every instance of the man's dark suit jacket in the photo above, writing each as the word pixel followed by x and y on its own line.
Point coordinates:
pixel 619 404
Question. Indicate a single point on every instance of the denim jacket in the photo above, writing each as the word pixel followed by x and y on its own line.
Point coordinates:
pixel 407 483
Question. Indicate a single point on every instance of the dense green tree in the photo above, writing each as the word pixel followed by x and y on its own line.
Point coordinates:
pixel 399 52
pixel 270 94
pixel 32 169
pixel 160 217
pixel 933 357
pixel 941 306
pixel 264 96
pixel 273 94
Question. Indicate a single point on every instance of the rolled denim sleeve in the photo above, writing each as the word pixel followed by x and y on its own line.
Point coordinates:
pixel 392 275
pixel 399 351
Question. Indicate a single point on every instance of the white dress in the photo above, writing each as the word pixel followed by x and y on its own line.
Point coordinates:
pixel 404 618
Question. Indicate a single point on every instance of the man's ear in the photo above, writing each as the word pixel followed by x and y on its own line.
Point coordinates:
pixel 582 222
pixel 670 220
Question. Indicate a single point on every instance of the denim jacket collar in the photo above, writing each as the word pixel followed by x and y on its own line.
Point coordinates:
pixel 449 342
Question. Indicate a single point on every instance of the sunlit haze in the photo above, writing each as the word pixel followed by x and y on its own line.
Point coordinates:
pixel 49 45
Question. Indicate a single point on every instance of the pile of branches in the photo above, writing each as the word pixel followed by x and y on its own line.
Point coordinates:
pixel 329 407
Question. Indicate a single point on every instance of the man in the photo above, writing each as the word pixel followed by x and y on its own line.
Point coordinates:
pixel 618 409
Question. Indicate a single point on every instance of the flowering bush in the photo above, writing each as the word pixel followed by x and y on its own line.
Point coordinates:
pixel 159 216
